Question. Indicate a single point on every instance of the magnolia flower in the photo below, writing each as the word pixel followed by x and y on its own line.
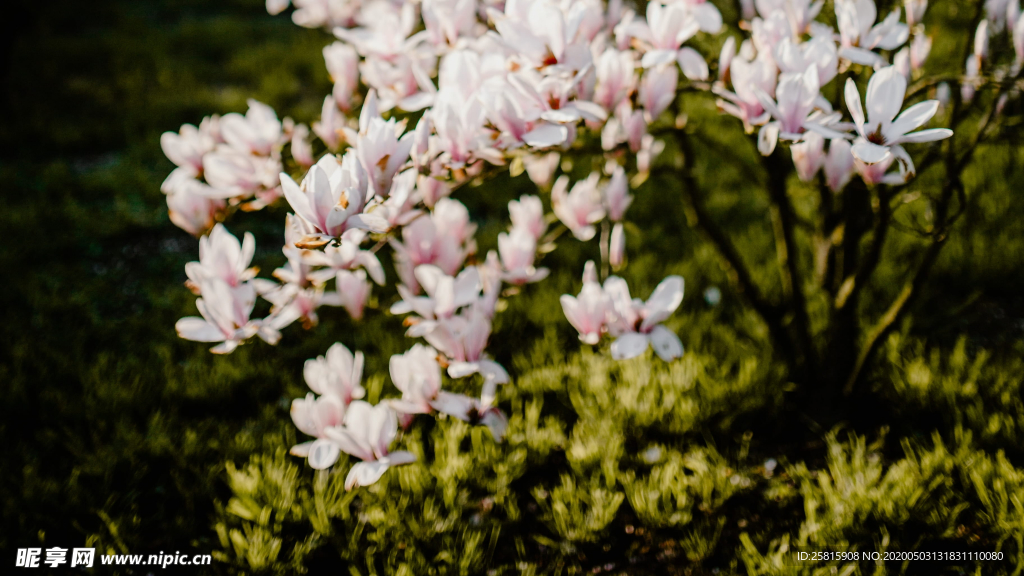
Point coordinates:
pixel 587 311
pixel 616 78
pixel 342 65
pixel 222 257
pixel 187 147
pixel 839 164
pixel 189 208
pixel 425 242
pixel 345 255
pixel 338 373
pixel 819 53
pixel 809 156
pixel 225 314
pixel 331 198
pixel 883 132
pixel 658 89
pixel 445 294
pixel 749 77
pixel 232 173
pixel 379 149
pixel 527 214
pixel 665 30
pixel 859 34
pixel 915 11
pixel 353 291
pixel 518 249
pixel 366 434
pixel 302 150
pixel 463 340
pixel 258 132
pixel 579 208
pixel 637 324
pixel 417 375
pixel 331 127
pixel 797 96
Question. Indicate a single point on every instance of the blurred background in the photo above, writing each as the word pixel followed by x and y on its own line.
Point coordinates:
pixel 118 435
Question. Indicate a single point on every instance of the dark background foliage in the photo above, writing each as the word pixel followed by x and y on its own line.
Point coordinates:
pixel 118 435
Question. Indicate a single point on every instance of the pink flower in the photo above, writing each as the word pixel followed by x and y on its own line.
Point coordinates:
pixel 527 214
pixel 518 249
pixel 353 291
pixel 579 208
pixel 222 257
pixel 586 312
pixel 839 164
pixel 809 156
pixel 616 195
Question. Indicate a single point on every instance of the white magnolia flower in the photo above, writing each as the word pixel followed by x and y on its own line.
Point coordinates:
pixel 794 112
pixel 225 314
pixel 860 35
pixel 518 250
pixel 883 132
pixel 337 373
pixel 637 325
pixel 258 132
pixel 367 434
pixel 527 214
pixel 331 198
pixel 580 208
pixel 444 294
pixel 222 257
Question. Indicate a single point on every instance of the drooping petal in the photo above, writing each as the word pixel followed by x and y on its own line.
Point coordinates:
pixel 666 344
pixel 629 345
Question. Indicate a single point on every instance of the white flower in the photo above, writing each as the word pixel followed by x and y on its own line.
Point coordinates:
pixel 883 132
pixel 579 208
pixel 367 434
pixel 331 197
pixel 527 214
pixel 637 325
pixel 258 132
pixel 222 257
pixel 794 112
pixel 337 373
pixel 860 35
pixel 225 314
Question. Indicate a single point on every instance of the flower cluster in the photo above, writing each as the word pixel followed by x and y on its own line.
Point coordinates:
pixel 431 97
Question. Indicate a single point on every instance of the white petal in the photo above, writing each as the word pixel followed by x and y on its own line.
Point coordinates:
pixel 323 454
pixel 629 345
pixel 870 153
pixel 930 135
pixel 665 343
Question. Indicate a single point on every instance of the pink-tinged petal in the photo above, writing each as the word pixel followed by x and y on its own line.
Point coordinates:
pixel 886 90
pixel 629 345
pixel 657 58
pixel 665 343
pixel 323 454
pixel 365 474
pixel 869 152
pixel 198 330
pixel 912 118
pixel 930 135
pixel 347 442
pixel 854 105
